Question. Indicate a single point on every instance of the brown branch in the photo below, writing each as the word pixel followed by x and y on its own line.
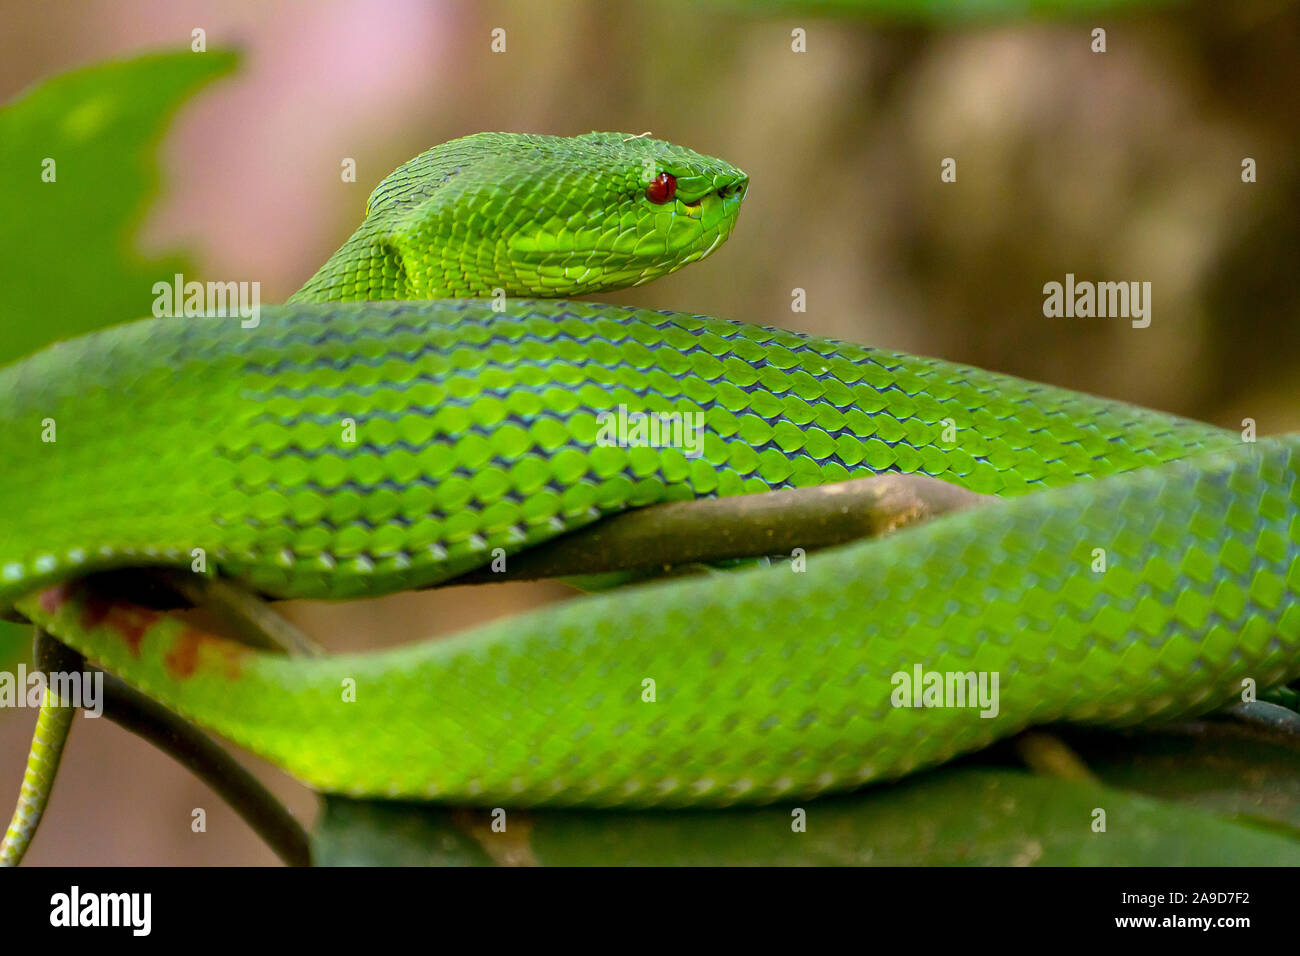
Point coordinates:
pixel 744 526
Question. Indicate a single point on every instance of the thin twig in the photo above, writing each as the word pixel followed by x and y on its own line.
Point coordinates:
pixel 253 621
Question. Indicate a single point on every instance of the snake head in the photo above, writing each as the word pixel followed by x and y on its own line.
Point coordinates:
pixel 634 209
pixel 536 216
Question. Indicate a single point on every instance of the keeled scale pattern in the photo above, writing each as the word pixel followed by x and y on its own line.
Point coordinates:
pixel 475 429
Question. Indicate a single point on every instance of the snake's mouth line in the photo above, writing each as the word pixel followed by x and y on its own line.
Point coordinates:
pixel 724 193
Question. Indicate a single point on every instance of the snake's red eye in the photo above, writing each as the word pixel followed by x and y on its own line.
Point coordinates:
pixel 661 189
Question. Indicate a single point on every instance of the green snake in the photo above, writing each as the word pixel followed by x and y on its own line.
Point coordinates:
pixel 1153 591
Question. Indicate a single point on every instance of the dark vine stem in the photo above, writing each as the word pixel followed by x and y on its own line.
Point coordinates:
pixel 209 761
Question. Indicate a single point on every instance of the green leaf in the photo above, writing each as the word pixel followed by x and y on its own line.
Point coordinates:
pixel 959 816
pixel 68 263
pixel 67 258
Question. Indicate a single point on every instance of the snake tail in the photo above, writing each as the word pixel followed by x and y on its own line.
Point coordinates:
pixel 53 725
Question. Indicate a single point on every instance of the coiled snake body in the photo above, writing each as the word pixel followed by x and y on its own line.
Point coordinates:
pixel 474 427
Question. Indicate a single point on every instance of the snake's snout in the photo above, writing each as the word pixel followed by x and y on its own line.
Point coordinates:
pixel 735 189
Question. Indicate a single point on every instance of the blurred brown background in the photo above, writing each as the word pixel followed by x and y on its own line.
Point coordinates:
pixel 1117 166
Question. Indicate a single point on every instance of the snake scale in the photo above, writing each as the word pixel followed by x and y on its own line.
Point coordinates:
pixel 475 427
